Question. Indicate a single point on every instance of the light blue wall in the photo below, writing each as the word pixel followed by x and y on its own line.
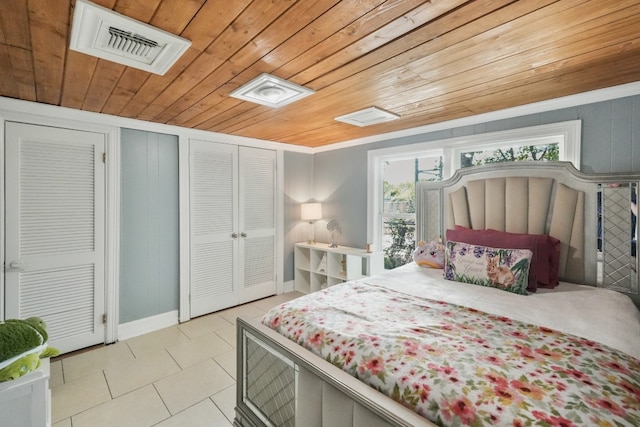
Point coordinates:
pixel 149 240
pixel 298 188
pixel 610 143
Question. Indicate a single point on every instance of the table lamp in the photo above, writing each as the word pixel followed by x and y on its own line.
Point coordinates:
pixel 311 212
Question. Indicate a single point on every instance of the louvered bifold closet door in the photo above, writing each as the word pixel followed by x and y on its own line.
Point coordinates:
pixel 54 262
pixel 257 223
pixel 214 240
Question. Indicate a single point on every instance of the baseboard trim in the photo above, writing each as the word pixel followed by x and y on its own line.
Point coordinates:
pixel 288 286
pixel 146 325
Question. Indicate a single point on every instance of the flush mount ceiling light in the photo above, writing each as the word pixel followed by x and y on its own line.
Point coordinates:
pixel 106 34
pixel 367 117
pixel 271 91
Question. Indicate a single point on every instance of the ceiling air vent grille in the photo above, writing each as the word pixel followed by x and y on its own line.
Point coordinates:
pixel 106 34
pixel 129 43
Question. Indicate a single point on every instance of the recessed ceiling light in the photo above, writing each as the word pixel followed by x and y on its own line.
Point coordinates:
pixel 368 116
pixel 271 91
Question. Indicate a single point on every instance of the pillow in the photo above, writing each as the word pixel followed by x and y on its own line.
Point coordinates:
pixel 543 272
pixel 554 263
pixel 505 269
pixel 547 249
pixel 429 254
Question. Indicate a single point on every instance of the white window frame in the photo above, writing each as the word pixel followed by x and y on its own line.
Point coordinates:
pixel 566 134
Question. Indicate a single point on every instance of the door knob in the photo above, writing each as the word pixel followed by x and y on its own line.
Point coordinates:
pixel 243 234
pixel 234 235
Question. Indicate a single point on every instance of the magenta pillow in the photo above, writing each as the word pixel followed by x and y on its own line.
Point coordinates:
pixel 546 251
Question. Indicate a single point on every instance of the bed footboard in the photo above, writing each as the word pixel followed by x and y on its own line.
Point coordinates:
pixel 282 384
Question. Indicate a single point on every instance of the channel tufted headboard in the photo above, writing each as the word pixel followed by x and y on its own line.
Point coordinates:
pixel 537 198
pixel 525 205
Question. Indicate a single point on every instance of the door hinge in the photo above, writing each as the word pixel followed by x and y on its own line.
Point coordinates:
pixel 104 157
pixel 104 318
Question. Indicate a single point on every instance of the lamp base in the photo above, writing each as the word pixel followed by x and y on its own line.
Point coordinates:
pixel 312 237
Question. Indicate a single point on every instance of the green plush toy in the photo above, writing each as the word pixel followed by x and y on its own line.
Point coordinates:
pixel 22 344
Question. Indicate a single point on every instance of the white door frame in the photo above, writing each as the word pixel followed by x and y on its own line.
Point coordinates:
pixel 112 205
pixel 185 226
pixel 184 312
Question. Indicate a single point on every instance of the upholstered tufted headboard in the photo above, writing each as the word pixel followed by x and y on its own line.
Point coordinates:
pixel 534 198
pixel 524 205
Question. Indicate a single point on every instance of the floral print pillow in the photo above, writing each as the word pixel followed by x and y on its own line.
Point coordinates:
pixel 505 269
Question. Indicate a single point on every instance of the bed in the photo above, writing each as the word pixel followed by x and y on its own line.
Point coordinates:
pixel 415 346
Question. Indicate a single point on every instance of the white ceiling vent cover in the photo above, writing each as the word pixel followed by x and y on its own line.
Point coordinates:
pixel 367 117
pixel 271 91
pixel 101 32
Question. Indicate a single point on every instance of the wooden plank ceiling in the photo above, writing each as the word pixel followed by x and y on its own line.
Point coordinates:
pixel 427 61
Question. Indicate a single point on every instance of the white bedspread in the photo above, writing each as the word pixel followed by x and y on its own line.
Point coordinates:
pixel 597 314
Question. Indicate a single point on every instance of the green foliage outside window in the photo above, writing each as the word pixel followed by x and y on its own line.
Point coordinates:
pixel 519 154
pixel 402 234
pixel 399 198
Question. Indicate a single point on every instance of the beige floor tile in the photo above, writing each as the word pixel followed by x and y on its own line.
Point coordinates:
pixel 140 408
pixel 86 363
pixel 157 340
pixel 203 325
pixel 225 400
pixel 55 374
pixel 228 362
pixel 76 396
pixel 64 423
pixel 247 310
pixel 140 372
pixel 198 349
pixel 270 302
pixel 203 414
pixel 144 376
pixel 192 385
pixel 228 334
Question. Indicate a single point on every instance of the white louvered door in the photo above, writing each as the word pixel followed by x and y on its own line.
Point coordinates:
pixel 55 220
pixel 214 225
pixel 257 223
pixel 232 204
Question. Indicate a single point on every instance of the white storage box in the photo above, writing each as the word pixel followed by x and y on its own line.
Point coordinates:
pixel 26 402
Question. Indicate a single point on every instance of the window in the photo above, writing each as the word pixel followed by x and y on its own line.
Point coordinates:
pixel 393 173
pixel 540 152
pixel 398 203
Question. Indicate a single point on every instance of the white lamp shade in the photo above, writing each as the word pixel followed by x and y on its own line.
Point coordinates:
pixel 311 211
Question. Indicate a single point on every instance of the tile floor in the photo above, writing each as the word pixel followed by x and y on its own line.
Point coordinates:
pixel 179 376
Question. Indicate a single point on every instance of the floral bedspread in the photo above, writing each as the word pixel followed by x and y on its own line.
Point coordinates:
pixel 459 366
